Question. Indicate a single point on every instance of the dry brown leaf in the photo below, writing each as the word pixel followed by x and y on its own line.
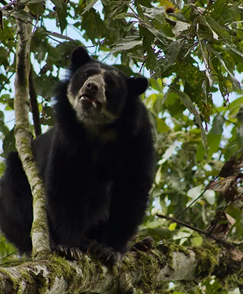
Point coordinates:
pixel 236 254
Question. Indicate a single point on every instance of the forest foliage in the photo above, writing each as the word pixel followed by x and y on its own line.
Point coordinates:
pixel 192 53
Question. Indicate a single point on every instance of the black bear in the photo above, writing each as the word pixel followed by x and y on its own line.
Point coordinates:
pixel 96 162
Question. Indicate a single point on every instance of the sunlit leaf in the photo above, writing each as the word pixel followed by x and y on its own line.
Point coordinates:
pixel 162 126
pixel 29 1
pixel 172 226
pixel 213 143
pixel 167 154
pixel 57 3
pixel 21 14
pixel 195 191
pixel 189 105
pixel 90 5
pixel 57 35
pixel 180 27
pixel 209 195
pixel 234 80
pixel 125 45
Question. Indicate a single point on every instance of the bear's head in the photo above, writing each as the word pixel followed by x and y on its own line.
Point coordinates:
pixel 98 92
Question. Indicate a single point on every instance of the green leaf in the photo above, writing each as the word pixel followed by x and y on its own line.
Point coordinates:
pixel 117 8
pixel 232 47
pixel 217 28
pixel 9 143
pixel 57 35
pixel 195 191
pixel 156 84
pixel 93 25
pixel 195 241
pixel 150 100
pixel 168 153
pixel 235 104
pixel 206 63
pixel 29 1
pixel 200 153
pixel 6 32
pixel 154 13
pixel 189 105
pixel 57 3
pixel 121 15
pixel 148 40
pixel 125 45
pixel 231 149
pixel 217 127
pixel 22 15
pixel 158 175
pixel 235 82
pixel 213 143
pixel 89 6
pixel 229 13
pixel 62 17
pixel 153 19
pixel 172 226
pixel 172 53
pixel 180 27
pixel 3 129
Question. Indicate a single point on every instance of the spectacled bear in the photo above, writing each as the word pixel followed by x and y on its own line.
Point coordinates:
pixel 96 162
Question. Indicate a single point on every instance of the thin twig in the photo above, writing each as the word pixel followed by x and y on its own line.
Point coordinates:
pixel 7 6
pixel 195 200
pixel 6 82
pixel 206 233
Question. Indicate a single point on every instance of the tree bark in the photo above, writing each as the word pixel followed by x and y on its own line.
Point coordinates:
pixel 139 272
pixel 23 136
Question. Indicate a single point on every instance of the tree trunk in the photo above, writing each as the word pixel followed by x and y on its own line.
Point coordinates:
pixel 23 136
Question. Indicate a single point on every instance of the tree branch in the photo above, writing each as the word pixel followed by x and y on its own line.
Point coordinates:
pixel 34 104
pixel 139 272
pixel 200 231
pixel 23 136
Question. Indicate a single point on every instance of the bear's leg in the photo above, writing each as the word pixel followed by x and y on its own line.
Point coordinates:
pixel 16 205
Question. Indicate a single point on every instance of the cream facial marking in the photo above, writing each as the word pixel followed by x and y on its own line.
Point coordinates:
pixel 94 89
pixel 90 101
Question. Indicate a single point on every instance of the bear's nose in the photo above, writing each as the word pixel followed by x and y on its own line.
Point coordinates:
pixel 92 86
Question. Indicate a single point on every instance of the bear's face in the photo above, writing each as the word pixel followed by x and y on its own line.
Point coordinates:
pixel 98 92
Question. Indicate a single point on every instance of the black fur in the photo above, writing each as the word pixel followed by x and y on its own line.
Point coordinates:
pixel 97 174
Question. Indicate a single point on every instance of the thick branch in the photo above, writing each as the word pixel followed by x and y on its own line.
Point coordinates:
pixel 138 271
pixel 23 136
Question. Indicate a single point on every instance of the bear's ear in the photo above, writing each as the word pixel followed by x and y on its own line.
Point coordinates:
pixel 79 57
pixel 137 86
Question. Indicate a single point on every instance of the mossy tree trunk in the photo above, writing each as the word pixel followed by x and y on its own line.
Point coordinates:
pixel 139 272
pixel 23 136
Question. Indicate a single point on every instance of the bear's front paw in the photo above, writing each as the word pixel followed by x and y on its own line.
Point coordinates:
pixel 104 253
pixel 143 245
pixel 71 253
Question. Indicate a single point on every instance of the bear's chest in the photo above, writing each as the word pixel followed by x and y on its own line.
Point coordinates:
pixel 92 166
pixel 101 156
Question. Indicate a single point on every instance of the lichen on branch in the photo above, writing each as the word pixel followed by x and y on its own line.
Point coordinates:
pixel 23 137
